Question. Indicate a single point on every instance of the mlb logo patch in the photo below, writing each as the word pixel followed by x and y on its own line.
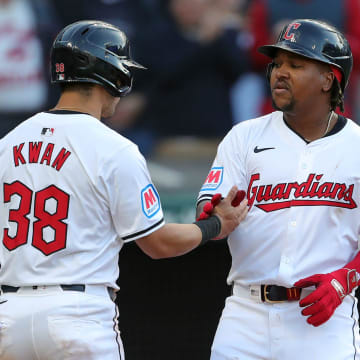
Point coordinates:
pixel 150 201
pixel 214 179
pixel 47 131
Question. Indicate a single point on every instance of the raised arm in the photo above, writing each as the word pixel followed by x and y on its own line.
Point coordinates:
pixel 177 239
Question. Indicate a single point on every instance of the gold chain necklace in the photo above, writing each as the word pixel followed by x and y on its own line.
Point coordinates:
pixel 331 115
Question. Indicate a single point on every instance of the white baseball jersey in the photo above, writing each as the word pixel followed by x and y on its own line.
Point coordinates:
pixel 72 192
pixel 303 197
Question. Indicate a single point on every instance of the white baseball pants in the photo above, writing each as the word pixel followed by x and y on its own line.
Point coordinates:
pixel 249 330
pixel 51 324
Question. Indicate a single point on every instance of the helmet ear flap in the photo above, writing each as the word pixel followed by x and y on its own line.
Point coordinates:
pixel 269 69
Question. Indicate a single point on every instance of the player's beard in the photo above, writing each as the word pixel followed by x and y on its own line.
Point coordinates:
pixel 285 108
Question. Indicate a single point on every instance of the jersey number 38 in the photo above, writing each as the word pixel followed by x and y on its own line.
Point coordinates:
pixel 44 218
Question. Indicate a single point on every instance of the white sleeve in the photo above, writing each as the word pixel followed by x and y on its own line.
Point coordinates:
pixel 228 169
pixel 134 201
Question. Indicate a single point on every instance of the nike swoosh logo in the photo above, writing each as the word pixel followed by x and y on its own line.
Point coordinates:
pixel 3 302
pixel 257 150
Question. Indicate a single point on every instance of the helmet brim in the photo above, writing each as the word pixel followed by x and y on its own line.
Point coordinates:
pixel 133 64
pixel 271 50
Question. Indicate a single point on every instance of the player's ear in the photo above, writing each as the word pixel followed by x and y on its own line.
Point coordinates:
pixel 327 78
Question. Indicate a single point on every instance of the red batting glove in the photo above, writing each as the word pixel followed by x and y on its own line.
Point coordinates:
pixel 330 291
pixel 209 207
pixel 240 196
pixel 215 200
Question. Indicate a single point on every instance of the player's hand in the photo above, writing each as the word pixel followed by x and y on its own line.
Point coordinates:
pixel 229 215
pixel 215 200
pixel 330 291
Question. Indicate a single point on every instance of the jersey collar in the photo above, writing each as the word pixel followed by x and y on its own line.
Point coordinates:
pixel 65 112
pixel 339 125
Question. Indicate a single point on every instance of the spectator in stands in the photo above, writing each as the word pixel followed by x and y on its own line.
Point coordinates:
pixel 133 17
pixel 126 14
pixel 194 53
pixel 25 26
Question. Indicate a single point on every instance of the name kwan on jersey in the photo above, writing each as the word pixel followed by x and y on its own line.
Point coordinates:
pixel 35 148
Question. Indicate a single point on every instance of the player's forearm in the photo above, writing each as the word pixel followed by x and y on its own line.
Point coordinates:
pixel 171 240
pixel 178 239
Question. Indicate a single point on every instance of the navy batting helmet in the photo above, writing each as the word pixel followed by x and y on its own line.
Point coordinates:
pixel 315 40
pixel 93 52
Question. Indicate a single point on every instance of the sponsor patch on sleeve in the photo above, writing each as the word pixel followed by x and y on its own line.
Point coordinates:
pixel 150 201
pixel 214 179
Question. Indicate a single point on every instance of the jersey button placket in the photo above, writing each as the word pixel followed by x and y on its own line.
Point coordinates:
pixel 286 259
pixel 305 161
pixel 291 242
pixel 276 330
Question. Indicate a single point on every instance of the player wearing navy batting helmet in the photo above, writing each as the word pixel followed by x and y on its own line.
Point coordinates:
pixel 73 191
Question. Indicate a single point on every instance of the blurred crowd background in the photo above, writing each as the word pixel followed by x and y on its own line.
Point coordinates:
pixel 204 75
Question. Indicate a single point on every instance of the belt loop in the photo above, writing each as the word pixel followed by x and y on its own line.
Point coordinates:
pixel 256 293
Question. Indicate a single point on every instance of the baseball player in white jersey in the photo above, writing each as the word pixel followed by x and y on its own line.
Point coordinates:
pixel 295 258
pixel 72 193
